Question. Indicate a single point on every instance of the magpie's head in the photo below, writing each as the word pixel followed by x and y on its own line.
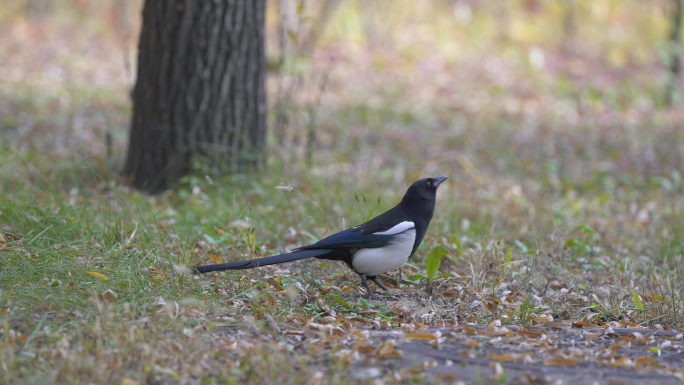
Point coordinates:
pixel 425 189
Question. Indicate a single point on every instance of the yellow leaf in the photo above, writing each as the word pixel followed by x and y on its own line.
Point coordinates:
pixel 98 275
pixel 127 381
pixel 559 361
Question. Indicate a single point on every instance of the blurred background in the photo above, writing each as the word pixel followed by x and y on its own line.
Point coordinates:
pixel 567 91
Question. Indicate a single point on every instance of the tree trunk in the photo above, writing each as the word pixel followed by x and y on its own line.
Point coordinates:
pixel 199 90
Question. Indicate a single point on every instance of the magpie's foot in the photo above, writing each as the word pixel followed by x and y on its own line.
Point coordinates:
pixel 397 295
pixel 375 297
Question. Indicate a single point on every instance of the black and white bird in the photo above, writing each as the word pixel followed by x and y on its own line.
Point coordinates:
pixel 382 244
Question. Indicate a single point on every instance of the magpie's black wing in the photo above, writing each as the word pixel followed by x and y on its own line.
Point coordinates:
pixel 375 233
pixel 350 239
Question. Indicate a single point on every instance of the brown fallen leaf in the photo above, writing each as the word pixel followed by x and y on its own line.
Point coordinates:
pixel 622 362
pixel 109 296
pixel 358 322
pixel 495 331
pixel 501 357
pixel 645 362
pixel 472 343
pixel 498 370
pixel 640 339
pixel 528 334
pixel 543 319
pixel 421 336
pixel 559 324
pixel 326 308
pixel 560 361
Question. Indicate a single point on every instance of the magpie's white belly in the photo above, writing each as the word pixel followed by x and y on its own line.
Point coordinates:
pixel 380 260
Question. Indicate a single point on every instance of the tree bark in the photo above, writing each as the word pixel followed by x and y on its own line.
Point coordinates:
pixel 199 91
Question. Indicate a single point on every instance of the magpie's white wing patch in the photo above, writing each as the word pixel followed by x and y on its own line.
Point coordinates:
pixel 398 228
pixel 395 253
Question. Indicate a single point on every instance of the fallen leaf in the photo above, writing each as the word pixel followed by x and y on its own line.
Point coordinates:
pixel 495 331
pixel 127 381
pixel 622 362
pixel 559 324
pixel 326 308
pixel 644 362
pixel 543 319
pixel 98 275
pixel 501 357
pixel 498 370
pixel 560 361
pixel 421 336
pixel 109 296
pixel 640 339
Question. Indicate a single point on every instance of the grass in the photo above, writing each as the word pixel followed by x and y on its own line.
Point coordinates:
pixel 564 200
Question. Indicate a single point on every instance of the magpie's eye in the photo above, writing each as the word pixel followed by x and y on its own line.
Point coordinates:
pixel 428 184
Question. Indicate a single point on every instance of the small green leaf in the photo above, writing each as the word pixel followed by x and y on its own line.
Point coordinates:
pixel 363 303
pixel 342 302
pixel 521 246
pixel 637 301
pixel 526 304
pixel 457 242
pixel 417 277
pixel 433 260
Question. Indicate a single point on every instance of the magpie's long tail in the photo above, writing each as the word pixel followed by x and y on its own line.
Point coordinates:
pixel 252 263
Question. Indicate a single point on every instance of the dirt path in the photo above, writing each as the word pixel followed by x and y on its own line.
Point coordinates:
pixel 531 356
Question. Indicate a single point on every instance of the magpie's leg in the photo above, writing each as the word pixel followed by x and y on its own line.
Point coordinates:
pixel 375 279
pixel 370 292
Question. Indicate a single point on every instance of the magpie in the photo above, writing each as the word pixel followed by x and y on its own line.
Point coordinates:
pixel 382 244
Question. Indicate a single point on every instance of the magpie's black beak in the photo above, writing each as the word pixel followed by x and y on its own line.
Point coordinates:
pixel 438 180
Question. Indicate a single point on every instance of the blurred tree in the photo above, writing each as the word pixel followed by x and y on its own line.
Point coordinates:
pixel 676 49
pixel 199 91
pixel 38 9
pixel 569 25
